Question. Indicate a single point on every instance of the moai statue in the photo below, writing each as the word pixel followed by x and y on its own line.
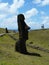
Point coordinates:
pixel 23 34
pixel 42 26
pixel 6 30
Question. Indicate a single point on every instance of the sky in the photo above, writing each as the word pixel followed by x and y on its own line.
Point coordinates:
pixel 36 13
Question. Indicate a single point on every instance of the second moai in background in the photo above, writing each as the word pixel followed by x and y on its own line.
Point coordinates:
pixel 42 27
pixel 6 30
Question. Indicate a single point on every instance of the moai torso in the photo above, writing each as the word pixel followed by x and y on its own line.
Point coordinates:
pixel 22 27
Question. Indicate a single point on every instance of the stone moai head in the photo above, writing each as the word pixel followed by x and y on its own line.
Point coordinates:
pixel 21 17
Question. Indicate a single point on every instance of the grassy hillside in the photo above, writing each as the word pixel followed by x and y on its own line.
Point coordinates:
pixel 8 56
pixel 40 37
pixel 2 30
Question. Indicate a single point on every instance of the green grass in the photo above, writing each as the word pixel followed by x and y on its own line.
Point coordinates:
pixel 40 37
pixel 2 30
pixel 8 56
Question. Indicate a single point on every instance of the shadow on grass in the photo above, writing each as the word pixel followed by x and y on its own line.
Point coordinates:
pixel 31 54
pixel 21 48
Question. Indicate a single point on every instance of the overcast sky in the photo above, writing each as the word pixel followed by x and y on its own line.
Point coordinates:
pixel 36 13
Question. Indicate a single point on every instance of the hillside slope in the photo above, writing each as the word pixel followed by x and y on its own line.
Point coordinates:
pixel 40 37
pixel 8 56
pixel 2 30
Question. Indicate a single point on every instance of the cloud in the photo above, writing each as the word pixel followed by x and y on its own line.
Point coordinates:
pixel 31 13
pixel 16 4
pixel 9 22
pixel 36 1
pixel 37 25
pixel 5 7
pixel 2 16
pixel 41 2
pixel 45 2
pixel 42 13
pixel 45 20
pixel 8 13
pixel 34 25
